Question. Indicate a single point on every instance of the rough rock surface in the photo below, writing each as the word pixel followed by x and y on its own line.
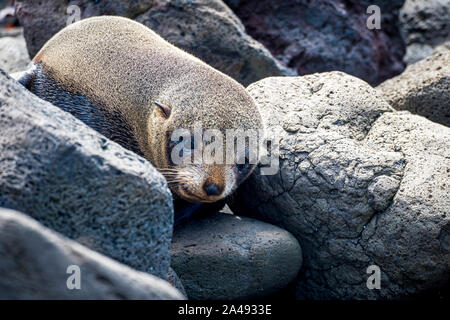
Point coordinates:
pixel 210 30
pixel 424 88
pixel 229 257
pixel 35 15
pixel 35 261
pixel 206 28
pixel 13 54
pixel 317 36
pixel 78 183
pixel 424 25
pixel 354 190
pixel 175 281
pixel 7 17
pixel 443 47
pixel 416 51
pixel 11 32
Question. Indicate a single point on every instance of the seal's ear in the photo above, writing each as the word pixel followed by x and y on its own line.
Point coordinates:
pixel 164 110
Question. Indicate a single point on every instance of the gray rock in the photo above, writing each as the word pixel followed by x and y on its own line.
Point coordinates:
pixel 11 32
pixel 35 263
pixel 205 28
pixel 424 25
pixel 416 52
pixel 424 88
pixel 7 15
pixel 443 47
pixel 76 182
pixel 210 30
pixel 233 4
pixel 175 281
pixel 3 3
pixel 229 257
pixel 13 54
pixel 323 35
pixel 42 19
pixel 410 240
pixel 354 190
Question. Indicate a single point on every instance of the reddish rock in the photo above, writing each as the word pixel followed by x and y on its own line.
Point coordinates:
pixel 324 35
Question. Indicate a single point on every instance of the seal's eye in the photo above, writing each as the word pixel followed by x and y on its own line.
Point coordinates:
pixel 165 110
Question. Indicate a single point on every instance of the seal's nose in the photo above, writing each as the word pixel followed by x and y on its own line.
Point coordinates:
pixel 212 189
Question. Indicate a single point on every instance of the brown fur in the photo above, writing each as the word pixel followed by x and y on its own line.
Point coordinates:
pixel 125 67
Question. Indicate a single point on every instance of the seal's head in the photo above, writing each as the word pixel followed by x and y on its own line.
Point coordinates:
pixel 151 90
pixel 205 142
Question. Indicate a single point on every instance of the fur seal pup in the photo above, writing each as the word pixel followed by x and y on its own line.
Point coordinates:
pixel 125 81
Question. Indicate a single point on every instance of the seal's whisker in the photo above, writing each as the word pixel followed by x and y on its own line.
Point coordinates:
pixel 177 180
pixel 177 177
pixel 172 182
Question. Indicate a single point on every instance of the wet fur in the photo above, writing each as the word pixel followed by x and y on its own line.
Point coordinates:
pixel 111 125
